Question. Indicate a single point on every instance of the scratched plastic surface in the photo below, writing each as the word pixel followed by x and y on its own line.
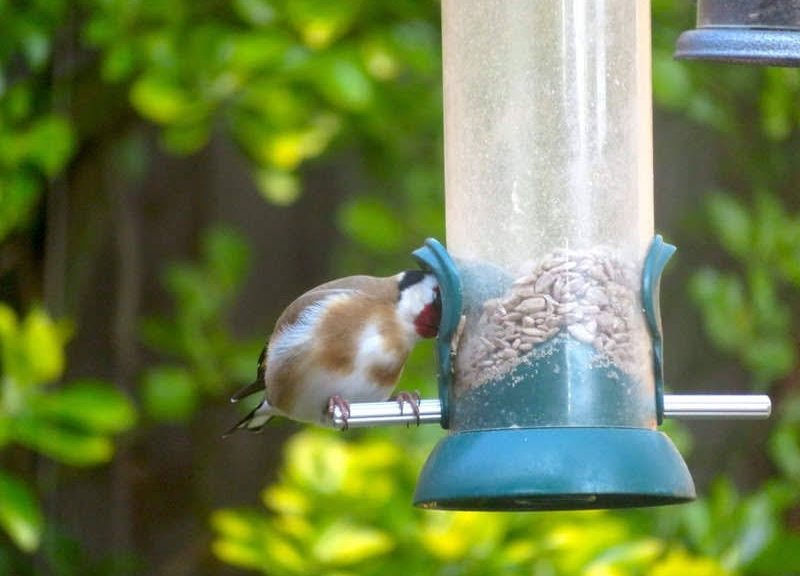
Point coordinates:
pixel 749 13
pixel 548 164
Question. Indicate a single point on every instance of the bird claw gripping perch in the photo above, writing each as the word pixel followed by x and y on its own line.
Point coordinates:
pixel 343 405
pixel 410 398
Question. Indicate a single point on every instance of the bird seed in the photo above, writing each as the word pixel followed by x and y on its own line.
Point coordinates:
pixel 592 296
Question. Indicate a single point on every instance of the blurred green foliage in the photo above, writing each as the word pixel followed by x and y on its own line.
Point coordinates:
pixel 291 81
pixel 343 507
pixel 35 141
pixel 205 358
pixel 748 298
pixel 72 424
pixel 744 311
pixel 286 79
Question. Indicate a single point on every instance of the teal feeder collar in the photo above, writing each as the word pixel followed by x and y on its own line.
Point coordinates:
pixel 433 257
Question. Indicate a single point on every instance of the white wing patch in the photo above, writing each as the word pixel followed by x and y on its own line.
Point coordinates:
pixel 294 336
pixel 372 349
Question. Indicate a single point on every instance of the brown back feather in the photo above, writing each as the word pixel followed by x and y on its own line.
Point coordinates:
pixel 379 288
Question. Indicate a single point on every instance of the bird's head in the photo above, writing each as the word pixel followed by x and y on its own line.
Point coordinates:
pixel 419 302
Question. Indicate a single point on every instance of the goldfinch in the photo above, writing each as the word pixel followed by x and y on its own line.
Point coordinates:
pixel 344 341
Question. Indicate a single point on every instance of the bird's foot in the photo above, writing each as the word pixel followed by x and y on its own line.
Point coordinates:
pixel 343 405
pixel 410 398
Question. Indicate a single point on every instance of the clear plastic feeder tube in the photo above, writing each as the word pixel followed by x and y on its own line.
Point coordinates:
pixel 549 204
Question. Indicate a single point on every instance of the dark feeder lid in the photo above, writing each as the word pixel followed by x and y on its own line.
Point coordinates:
pixel 548 467
pixel 761 32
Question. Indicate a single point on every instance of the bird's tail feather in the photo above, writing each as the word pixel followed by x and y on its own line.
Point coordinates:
pixel 252 388
pixel 255 420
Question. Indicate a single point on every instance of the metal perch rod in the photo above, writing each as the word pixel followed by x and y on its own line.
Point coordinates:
pixel 686 406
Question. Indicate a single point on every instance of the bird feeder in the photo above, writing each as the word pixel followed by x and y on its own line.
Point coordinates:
pixel 550 346
pixel 763 32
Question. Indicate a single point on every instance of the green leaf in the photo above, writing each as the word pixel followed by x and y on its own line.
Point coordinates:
pixel 9 325
pixel 18 101
pixel 119 62
pixel 731 221
pixel 268 106
pixel 258 51
pixel 681 563
pixel 159 98
pixel 20 515
pixel 186 138
pixel 240 534
pixel 255 12
pixel 707 110
pixel 785 441
pixel 93 405
pixel 344 544
pixel 672 85
pixel 770 224
pixel 778 103
pixel 5 425
pixel 63 443
pixel 42 343
pixel 50 144
pixel 190 287
pixel 758 527
pixel 628 555
pixel 381 58
pixel 287 556
pixel 227 255
pixel 771 311
pixel 169 394
pixel 780 558
pixel 371 223
pixel 36 46
pixel 342 79
pixel 241 361
pixel 785 449
pixel 19 194
pixel 725 311
pixel 316 462
pixel 770 357
pixel 277 186
pixel 162 335
pixel 321 22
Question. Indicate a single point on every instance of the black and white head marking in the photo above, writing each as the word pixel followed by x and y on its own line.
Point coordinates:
pixel 409 278
pixel 417 290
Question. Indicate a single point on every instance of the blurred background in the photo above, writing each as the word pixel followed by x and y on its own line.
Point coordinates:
pixel 173 173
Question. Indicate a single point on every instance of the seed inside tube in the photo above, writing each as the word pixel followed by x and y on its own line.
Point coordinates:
pixel 591 296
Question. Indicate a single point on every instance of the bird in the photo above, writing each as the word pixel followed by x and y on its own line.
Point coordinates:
pixel 344 341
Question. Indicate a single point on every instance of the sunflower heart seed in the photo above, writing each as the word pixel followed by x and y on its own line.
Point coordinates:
pixel 580 333
pixel 532 305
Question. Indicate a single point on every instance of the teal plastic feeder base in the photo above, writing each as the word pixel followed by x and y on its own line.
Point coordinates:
pixel 569 468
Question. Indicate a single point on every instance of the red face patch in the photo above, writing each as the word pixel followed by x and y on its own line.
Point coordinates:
pixel 427 322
